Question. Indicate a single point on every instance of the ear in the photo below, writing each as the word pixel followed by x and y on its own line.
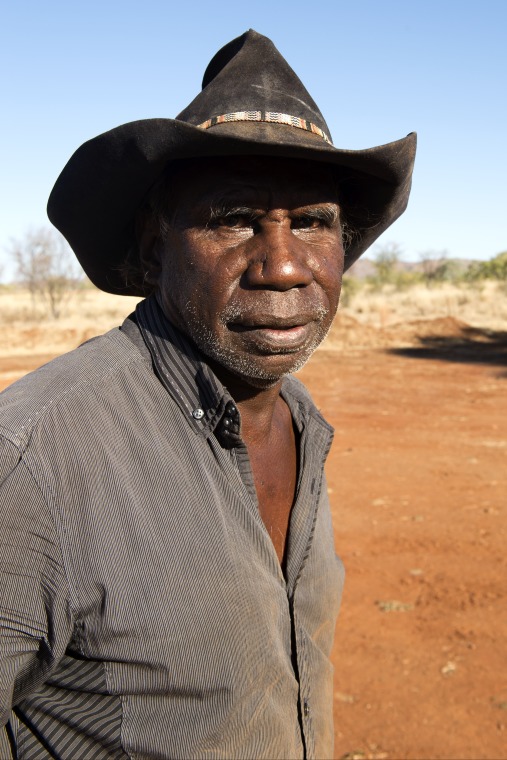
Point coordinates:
pixel 148 242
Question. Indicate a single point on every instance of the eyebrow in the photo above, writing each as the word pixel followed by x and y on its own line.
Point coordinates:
pixel 328 212
pixel 223 209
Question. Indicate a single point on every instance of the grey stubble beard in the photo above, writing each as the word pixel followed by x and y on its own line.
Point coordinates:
pixel 247 366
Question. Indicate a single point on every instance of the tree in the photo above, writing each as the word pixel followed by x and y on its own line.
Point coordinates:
pixel 46 266
pixel 386 263
pixel 437 268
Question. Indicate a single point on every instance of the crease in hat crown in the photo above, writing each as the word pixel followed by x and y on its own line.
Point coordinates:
pixel 250 76
pixel 251 103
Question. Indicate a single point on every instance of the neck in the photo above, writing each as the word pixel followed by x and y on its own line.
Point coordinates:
pixel 257 405
pixel 258 411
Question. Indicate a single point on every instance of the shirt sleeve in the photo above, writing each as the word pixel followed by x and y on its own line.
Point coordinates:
pixel 35 620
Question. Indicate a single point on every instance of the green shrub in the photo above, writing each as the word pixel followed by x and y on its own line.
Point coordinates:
pixel 494 269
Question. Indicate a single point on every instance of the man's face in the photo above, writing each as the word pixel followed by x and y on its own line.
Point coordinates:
pixel 251 266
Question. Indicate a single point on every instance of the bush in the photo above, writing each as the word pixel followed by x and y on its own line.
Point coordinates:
pixel 495 269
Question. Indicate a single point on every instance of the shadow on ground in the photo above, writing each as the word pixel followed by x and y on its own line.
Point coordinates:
pixel 472 346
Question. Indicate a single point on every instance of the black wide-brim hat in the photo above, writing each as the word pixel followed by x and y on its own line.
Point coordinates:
pixel 251 103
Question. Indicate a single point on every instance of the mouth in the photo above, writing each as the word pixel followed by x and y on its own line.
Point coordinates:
pixel 269 334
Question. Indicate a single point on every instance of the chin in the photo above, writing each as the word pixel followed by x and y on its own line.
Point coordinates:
pixel 253 368
pixel 262 372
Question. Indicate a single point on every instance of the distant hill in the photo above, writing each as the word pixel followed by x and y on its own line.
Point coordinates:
pixel 365 267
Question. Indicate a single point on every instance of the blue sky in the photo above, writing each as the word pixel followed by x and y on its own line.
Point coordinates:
pixel 378 69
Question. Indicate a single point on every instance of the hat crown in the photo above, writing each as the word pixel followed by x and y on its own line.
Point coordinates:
pixel 249 74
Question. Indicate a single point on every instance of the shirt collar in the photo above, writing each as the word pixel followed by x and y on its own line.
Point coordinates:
pixel 185 374
pixel 204 401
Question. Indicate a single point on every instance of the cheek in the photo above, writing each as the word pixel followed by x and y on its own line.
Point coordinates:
pixel 205 261
pixel 181 269
pixel 218 273
pixel 328 271
pixel 198 287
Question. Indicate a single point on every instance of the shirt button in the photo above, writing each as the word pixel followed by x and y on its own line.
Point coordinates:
pixel 231 409
pixel 198 414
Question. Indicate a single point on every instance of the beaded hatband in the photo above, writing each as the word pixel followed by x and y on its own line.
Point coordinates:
pixel 268 116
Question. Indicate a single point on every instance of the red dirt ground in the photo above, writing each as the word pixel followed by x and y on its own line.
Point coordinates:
pixel 418 485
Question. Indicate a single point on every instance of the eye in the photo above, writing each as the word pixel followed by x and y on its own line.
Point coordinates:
pixel 307 223
pixel 232 220
pixel 315 218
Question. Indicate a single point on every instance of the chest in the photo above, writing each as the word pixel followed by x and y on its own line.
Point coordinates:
pixel 275 474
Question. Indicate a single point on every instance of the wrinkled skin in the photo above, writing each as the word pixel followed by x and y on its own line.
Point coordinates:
pixel 251 265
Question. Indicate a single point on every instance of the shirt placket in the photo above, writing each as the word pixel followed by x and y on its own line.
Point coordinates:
pixel 315 445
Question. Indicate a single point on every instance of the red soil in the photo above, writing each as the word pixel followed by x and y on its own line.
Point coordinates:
pixel 418 486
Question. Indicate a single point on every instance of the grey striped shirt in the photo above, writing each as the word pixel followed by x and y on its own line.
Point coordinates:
pixel 143 610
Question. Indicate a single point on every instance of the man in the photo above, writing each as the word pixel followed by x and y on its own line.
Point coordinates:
pixel 169 582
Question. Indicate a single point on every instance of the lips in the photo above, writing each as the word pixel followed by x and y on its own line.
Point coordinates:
pixel 270 320
pixel 278 334
pixel 273 324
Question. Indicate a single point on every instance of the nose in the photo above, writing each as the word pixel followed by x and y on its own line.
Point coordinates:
pixel 278 261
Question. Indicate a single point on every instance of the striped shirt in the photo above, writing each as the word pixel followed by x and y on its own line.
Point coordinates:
pixel 143 610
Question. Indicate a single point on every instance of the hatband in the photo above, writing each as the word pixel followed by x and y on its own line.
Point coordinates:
pixel 268 116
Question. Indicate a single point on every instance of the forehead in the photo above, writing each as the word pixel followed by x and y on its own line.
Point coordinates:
pixel 252 179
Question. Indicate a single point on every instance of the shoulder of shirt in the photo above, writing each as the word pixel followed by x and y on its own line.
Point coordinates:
pixel 26 402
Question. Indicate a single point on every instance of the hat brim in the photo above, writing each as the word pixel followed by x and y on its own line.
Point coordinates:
pixel 95 198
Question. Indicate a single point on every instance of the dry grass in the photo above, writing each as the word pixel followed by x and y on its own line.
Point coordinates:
pixel 371 318
pixel 482 304
pixel 26 328
pixel 395 318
